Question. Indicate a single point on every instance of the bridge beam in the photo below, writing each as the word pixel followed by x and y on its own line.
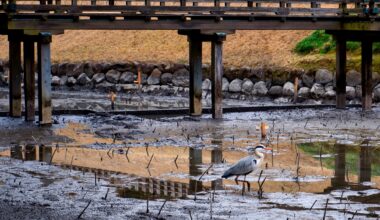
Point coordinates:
pixel 195 61
pixel 29 80
pixel 15 77
pixel 366 74
pixel 44 79
pixel 341 59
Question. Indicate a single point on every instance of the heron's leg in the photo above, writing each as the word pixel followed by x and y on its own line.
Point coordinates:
pixel 236 180
pixel 248 184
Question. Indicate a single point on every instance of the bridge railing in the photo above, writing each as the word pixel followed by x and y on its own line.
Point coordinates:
pixel 194 7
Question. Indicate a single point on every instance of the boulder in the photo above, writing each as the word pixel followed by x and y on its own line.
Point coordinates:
pixel 113 76
pixel 225 84
pixel 181 78
pixel 304 92
pixel 353 78
pixel 317 91
pixel 65 69
pixel 87 68
pixel 247 86
pixel 63 80
pixel 275 91
pixel 375 79
pixel 323 76
pixel 350 92
pixel 127 77
pixel 144 79
pixel 206 84
pixel 55 81
pixel 376 92
pixel 260 89
pixel 235 85
pixel 71 81
pixel 54 69
pixel 330 94
pixel 83 79
pixel 166 78
pixel 98 78
pixel 308 79
pixel 288 89
pixel 78 69
pixel 154 78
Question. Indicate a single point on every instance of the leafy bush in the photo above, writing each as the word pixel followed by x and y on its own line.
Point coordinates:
pixel 313 42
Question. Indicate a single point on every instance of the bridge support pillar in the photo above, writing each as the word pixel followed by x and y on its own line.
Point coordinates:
pixel 195 61
pixel 44 79
pixel 366 74
pixel 341 58
pixel 29 80
pixel 216 75
pixel 15 77
pixel 195 38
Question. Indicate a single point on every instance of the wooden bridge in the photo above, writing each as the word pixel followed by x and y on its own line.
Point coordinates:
pixel 31 21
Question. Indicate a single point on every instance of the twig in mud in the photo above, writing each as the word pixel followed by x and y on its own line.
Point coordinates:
pixel 353 215
pixel 80 215
pixel 307 121
pixel 95 178
pixel 147 149
pixel 205 172
pixel 313 205
pixel 159 212
pixel 71 163
pixel 210 205
pixel 126 154
pixel 105 197
pixel 147 204
pixel 108 153
pixel 191 218
pixel 150 161
pixel 52 156
pixel 260 191
pixel 320 157
pixel 324 213
pixel 175 161
pixel 278 136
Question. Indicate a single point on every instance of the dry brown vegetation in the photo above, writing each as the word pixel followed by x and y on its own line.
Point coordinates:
pixel 252 48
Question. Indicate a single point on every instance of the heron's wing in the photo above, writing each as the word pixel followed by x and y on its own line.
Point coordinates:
pixel 243 166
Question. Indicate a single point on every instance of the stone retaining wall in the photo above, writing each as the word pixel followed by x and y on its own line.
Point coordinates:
pixel 173 78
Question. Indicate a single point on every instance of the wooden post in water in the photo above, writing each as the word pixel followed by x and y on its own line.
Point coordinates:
pixel 44 79
pixel 366 75
pixel 29 80
pixel 365 164
pixel 217 74
pixel 340 72
pixel 14 77
pixel 195 56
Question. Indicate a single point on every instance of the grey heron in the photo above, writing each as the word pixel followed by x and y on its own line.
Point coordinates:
pixel 247 164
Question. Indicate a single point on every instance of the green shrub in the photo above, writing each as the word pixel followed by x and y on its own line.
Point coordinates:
pixel 313 42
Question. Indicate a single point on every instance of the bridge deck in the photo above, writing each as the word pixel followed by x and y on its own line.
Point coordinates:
pixel 189 14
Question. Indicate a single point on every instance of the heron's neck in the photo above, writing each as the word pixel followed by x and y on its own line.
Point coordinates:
pixel 259 155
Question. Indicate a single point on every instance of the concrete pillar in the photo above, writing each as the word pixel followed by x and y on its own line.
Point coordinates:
pixel 29 80
pixel 366 75
pixel 44 79
pixel 341 59
pixel 195 56
pixel 15 77
pixel 217 74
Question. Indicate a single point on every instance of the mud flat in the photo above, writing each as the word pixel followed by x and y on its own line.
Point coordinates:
pixel 324 163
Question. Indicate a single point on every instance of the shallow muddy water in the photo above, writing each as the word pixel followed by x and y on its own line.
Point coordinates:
pixel 323 163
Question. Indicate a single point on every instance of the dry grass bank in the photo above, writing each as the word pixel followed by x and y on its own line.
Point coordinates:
pixel 252 48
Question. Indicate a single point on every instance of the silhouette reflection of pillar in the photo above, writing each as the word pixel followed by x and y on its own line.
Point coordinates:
pixel 30 152
pixel 340 166
pixel 217 157
pixel 45 153
pixel 16 152
pixel 195 159
pixel 365 164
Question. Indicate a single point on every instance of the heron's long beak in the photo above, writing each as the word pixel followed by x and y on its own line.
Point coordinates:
pixel 268 148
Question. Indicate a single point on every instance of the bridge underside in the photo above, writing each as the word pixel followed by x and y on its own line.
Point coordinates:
pixel 28 23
